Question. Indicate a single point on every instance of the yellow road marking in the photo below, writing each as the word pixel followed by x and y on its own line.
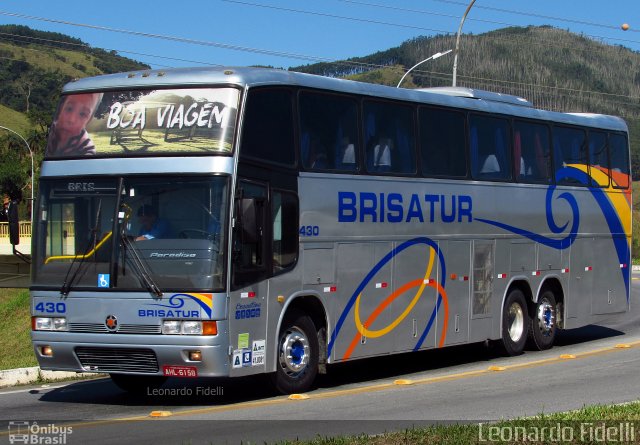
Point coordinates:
pixel 352 391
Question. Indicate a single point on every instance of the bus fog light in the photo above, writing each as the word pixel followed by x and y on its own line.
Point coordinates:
pixel 171 327
pixel 195 356
pixel 42 323
pixel 192 327
pixel 46 351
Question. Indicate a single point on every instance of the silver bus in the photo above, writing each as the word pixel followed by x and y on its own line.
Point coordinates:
pixel 237 221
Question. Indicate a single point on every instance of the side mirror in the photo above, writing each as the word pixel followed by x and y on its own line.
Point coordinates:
pixel 14 224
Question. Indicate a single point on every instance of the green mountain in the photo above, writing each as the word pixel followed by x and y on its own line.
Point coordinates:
pixel 553 68
pixel 34 65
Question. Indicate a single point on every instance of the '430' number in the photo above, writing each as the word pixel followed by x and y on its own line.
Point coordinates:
pixel 309 231
pixel 51 308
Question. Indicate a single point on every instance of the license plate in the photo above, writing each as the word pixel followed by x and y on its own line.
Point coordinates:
pixel 180 371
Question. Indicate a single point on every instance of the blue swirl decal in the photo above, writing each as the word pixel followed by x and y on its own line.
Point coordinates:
pixel 177 302
pixel 388 257
pixel 607 208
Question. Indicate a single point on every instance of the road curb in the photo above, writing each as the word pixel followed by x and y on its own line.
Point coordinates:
pixel 23 376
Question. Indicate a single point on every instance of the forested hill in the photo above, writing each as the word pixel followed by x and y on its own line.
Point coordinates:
pixel 34 65
pixel 553 68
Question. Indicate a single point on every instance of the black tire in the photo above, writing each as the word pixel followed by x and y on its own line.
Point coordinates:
pixel 515 323
pixel 138 384
pixel 297 354
pixel 543 328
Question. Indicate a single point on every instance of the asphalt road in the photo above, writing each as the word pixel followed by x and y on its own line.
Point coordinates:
pixel 461 384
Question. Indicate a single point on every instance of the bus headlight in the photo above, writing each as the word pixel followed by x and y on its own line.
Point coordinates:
pixel 189 327
pixel 49 324
pixel 192 327
pixel 171 327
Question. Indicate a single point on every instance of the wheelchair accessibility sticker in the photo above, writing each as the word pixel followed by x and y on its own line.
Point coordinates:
pixel 103 280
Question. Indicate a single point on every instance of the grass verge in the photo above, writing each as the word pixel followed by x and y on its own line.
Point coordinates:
pixel 589 425
pixel 15 329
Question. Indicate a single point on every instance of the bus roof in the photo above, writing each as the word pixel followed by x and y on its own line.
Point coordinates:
pixel 466 98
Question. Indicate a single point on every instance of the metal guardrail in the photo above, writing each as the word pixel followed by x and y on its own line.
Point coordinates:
pixel 24 227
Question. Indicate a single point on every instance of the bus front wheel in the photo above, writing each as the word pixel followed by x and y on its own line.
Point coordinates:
pixel 297 361
pixel 515 323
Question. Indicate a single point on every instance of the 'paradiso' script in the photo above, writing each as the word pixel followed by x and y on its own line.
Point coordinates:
pixel 205 114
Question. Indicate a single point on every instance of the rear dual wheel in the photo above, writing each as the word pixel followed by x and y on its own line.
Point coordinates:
pixel 542 332
pixel 515 323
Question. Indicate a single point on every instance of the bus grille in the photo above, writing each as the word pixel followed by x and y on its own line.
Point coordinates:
pixel 117 359
pixel 100 328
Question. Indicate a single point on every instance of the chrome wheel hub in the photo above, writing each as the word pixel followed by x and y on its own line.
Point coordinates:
pixel 294 352
pixel 515 322
pixel 546 317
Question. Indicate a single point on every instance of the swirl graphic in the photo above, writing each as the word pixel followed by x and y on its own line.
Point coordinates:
pixel 554 243
pixel 604 198
pixel 421 284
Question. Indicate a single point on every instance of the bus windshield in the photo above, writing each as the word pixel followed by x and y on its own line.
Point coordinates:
pixel 132 233
pixel 144 123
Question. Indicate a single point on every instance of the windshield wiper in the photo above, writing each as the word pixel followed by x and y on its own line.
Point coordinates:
pixel 139 268
pixel 66 285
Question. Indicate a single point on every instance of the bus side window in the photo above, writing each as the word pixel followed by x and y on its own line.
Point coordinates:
pixel 284 214
pixel 268 128
pixel 598 159
pixel 328 132
pixel 490 148
pixel 442 142
pixel 531 152
pixel 619 156
pixel 389 138
pixel 569 149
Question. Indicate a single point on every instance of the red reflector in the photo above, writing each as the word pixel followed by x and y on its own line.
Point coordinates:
pixel 565 270
pixel 535 273
pixel 588 268
pixel 502 275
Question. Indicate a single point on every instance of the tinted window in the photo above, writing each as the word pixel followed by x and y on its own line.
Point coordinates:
pixel 598 158
pixel 328 132
pixel 442 143
pixel 284 213
pixel 619 152
pixel 569 148
pixel 389 138
pixel 531 152
pixel 268 126
pixel 490 148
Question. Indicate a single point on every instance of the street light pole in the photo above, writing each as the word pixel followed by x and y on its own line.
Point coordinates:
pixel 435 56
pixel 455 54
pixel 30 154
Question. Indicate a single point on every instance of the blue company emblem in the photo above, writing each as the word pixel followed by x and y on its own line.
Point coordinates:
pixel 177 301
pixel 103 280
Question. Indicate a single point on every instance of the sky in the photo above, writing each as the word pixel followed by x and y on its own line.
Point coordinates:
pixel 286 33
